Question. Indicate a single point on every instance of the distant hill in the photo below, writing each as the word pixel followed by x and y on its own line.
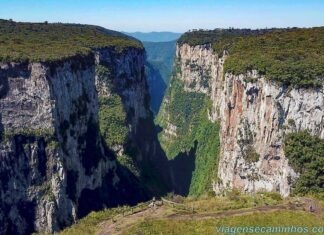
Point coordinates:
pixel 160 56
pixel 160 51
pixel 155 36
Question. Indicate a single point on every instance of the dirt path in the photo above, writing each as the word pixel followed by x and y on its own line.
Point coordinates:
pixel 222 214
pixel 122 223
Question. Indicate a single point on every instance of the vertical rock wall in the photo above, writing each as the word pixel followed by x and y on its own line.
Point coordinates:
pixel 54 166
pixel 255 114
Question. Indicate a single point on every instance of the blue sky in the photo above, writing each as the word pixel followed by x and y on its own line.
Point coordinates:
pixel 169 15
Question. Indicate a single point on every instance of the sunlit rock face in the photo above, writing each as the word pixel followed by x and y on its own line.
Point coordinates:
pixel 255 114
pixel 54 166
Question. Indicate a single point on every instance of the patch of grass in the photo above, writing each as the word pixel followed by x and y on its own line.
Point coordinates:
pixel 88 225
pixel 272 195
pixel 22 42
pixel 209 226
pixel 234 200
pixel 201 206
pixel 48 134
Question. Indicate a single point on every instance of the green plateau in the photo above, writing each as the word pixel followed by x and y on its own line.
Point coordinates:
pixel 289 56
pixel 35 42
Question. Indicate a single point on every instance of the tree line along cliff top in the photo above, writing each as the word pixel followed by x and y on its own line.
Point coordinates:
pixel 50 42
pixel 292 56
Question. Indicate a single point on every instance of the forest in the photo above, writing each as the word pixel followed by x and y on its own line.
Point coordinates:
pixel 292 56
pixel 35 42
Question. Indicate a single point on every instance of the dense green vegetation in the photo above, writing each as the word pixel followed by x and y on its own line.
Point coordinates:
pixel 306 156
pixel 200 37
pixel 207 158
pixel 51 42
pixel 289 56
pixel 112 116
pixel 183 109
pixel 112 120
pixel 188 111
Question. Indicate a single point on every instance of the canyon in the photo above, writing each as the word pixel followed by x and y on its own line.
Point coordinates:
pixel 56 164
pixel 77 131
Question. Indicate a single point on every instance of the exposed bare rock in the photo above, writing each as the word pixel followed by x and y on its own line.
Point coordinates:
pixel 255 114
pixel 54 167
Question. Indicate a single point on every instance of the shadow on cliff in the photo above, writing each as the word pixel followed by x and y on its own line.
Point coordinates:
pixel 159 176
pixel 128 190
pixel 156 85
pixel 21 168
pixel 173 175
pixel 181 168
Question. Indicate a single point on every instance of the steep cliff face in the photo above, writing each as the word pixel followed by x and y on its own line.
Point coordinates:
pixel 254 115
pixel 126 77
pixel 125 103
pixel 188 137
pixel 55 166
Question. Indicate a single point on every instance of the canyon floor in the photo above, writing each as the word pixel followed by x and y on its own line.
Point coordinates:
pixel 202 216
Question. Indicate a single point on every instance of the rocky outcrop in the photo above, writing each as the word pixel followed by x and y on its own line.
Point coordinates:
pixel 194 67
pixel 255 114
pixel 127 78
pixel 256 118
pixel 54 166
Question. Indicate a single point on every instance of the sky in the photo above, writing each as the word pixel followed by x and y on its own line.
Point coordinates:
pixel 168 15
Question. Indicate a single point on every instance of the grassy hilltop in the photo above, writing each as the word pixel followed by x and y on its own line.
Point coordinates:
pixel 205 215
pixel 289 56
pixel 49 42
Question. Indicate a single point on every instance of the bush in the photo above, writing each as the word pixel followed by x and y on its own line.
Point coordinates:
pixel 306 156
pixel 273 195
pixel 234 195
pixel 250 155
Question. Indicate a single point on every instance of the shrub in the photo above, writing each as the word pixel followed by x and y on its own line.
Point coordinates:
pixel 250 155
pixel 234 195
pixel 306 156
